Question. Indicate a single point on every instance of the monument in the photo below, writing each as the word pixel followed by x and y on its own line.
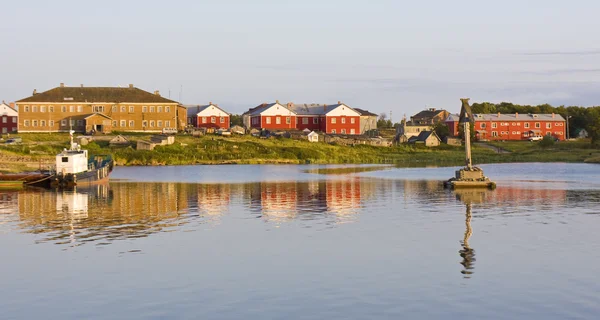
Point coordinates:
pixel 469 176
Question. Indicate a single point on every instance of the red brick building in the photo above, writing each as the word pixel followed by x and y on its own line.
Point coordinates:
pixel 208 116
pixel 513 126
pixel 9 118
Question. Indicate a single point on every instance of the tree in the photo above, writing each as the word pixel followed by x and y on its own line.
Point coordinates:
pixel 442 130
pixel 236 120
pixel 382 121
pixel 547 141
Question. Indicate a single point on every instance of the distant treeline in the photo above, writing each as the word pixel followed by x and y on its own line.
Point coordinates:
pixel 587 118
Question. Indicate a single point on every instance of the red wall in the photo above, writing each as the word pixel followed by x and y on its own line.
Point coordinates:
pixel 274 125
pixel 338 126
pixel 453 127
pixel 9 125
pixel 310 125
pixel 517 130
pixel 218 124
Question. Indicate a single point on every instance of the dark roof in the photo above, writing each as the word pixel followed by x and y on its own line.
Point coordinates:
pixel 264 106
pixel 428 114
pixel 97 94
pixel 364 112
pixel 423 135
pixel 88 115
pixel 194 110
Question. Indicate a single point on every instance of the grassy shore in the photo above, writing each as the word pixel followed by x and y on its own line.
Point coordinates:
pixel 39 149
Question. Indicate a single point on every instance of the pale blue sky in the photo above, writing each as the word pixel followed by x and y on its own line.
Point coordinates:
pixel 398 56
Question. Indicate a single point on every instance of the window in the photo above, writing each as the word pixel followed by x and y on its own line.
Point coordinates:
pixel 123 108
pixel 79 123
pixel 352 130
pixel 96 109
pixel 167 109
pixel 34 123
pixel 42 108
pixel 167 123
pixel 4 119
pixel 63 123
pixel 114 109
pixel 305 120
pixel 333 120
pixel 526 125
pixel 33 108
pixel 51 108
pixel 144 109
pixel 131 109
pixel 333 131
pixel 14 129
pixel 343 130
pixel 151 108
pixel 213 119
pixel 268 120
pixel 343 120
pixel 537 124
pixel 288 120
pixel 80 109
pixel 42 123
pixel 114 123
pixel 483 126
pixel 494 133
pixel 71 108
pixel 352 121
pixel 4 130
pixel 72 123
pixel 26 123
pixel 315 120
pixel 14 119
pixel 123 123
pixel 63 108
pixel 145 123
pixel 548 125
pixel 151 123
pixel 203 119
pixel 159 123
pixel 159 109
pixel 222 119
pixel 26 108
pixel 131 123
pixel 277 120
pixel 494 125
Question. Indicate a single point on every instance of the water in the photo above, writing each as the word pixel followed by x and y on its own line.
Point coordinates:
pixel 289 242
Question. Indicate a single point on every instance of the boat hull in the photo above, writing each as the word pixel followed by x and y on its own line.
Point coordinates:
pixel 97 175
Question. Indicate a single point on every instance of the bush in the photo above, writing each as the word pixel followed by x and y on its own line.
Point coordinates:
pixel 547 141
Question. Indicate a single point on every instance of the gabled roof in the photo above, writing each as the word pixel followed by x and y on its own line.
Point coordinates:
pixel 262 107
pixel 365 112
pixel 424 135
pixel 88 115
pixel 316 108
pixel 96 94
pixel 452 117
pixel 428 114
pixel 4 104
pixel 195 110
pixel 518 117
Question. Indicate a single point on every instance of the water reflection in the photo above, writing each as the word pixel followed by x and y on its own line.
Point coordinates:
pixel 469 197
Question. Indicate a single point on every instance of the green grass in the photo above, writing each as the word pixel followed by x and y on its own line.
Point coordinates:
pixel 250 150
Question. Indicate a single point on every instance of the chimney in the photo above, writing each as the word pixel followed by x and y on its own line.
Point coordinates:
pixel 276 101
pixel 264 104
pixel 552 115
pixel 197 108
pixel 62 84
pixel 156 92
pixel 289 104
pixel 12 105
pixel 324 107
pixel 131 86
pixel 339 102
pixel 516 115
pixel 82 85
pixel 498 114
pixel 34 92
pixel 210 103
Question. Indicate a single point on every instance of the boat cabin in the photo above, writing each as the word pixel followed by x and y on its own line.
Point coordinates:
pixel 72 161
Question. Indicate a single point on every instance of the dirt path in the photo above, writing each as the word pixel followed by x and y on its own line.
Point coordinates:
pixel 491 147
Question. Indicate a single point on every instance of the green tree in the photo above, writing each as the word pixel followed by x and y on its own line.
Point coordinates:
pixel 236 120
pixel 547 141
pixel 442 130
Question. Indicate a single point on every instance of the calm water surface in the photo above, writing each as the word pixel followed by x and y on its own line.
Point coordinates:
pixel 291 242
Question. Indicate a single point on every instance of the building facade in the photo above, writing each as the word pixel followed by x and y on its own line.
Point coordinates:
pixel 271 116
pixel 9 118
pixel 99 109
pixel 368 120
pixel 332 119
pixel 430 117
pixel 208 116
pixel 513 126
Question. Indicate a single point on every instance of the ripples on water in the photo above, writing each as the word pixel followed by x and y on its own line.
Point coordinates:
pixel 356 244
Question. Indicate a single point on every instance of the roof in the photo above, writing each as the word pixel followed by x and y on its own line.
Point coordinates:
pixel 428 114
pixel 262 107
pixel 8 106
pixel 424 135
pixel 316 108
pixel 88 115
pixel 453 117
pixel 194 110
pixel 97 94
pixel 519 117
pixel 364 112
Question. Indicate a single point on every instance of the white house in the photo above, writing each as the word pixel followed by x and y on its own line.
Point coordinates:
pixel 313 137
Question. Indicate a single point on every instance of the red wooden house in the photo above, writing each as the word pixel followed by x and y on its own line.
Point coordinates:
pixel 271 116
pixel 8 118
pixel 208 116
pixel 332 119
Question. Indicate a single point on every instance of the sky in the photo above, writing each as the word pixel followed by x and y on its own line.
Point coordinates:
pixel 383 56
